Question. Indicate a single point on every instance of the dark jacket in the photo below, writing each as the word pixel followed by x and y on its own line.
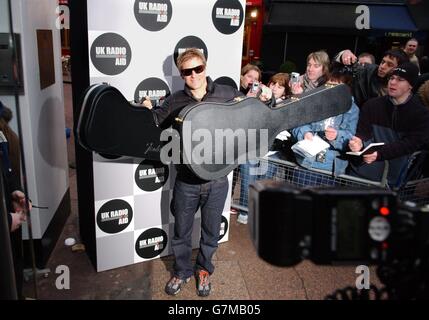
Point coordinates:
pixel 403 128
pixel 366 83
pixel 165 115
pixel 173 104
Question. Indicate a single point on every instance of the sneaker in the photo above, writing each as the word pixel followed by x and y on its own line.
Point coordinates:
pixel 174 285
pixel 242 218
pixel 233 211
pixel 203 283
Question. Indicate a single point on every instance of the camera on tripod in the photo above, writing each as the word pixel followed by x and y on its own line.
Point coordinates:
pixel 333 225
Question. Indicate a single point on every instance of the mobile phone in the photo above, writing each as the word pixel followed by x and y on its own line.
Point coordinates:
pixel 255 86
pixel 294 77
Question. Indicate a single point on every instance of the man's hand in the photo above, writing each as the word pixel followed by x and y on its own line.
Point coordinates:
pixel 17 219
pixel 348 57
pixel 147 103
pixel 308 136
pixel 370 158
pixel 355 144
pixel 19 202
pixel 331 133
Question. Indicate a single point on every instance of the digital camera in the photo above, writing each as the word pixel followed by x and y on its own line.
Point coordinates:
pixel 328 224
pixel 294 77
pixel 255 86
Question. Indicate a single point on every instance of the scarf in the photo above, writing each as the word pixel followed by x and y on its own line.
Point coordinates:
pixel 310 85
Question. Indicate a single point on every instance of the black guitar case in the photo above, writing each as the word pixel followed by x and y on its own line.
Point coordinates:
pixel 109 124
pixel 257 121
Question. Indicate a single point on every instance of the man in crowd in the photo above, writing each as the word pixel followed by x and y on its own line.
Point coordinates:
pixel 191 192
pixel 399 120
pixel 410 49
pixel 370 80
pixel 366 58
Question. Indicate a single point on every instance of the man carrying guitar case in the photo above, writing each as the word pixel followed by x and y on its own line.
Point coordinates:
pixel 190 191
pixel 210 108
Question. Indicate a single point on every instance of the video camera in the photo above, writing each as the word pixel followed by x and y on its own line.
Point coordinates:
pixel 330 225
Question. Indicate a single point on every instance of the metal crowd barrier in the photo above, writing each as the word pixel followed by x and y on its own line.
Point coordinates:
pixel 280 170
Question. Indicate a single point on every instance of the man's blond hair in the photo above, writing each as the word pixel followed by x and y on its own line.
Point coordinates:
pixel 188 54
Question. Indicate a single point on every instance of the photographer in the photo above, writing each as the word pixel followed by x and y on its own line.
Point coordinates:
pixel 370 80
pixel 249 74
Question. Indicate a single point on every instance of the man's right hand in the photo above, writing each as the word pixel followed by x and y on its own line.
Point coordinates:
pixel 348 57
pixel 355 144
pixel 147 103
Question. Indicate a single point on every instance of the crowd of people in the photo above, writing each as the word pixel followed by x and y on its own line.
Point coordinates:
pixel 390 105
pixel 384 108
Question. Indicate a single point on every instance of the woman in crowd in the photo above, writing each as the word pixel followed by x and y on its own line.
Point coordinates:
pixel 249 74
pixel 253 170
pixel 337 131
pixel 279 85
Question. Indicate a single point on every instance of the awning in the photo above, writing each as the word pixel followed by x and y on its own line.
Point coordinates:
pixel 393 18
pixel 311 15
pixel 296 15
pixel 419 10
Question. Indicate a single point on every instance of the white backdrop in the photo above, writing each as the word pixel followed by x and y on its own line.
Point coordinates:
pixel 132 45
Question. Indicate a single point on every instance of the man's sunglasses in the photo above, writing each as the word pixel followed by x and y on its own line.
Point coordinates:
pixel 188 72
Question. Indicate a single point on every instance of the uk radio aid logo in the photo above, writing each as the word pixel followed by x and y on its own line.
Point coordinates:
pixel 227 16
pixel 151 243
pixel 153 15
pixel 114 216
pixel 153 88
pixel 190 42
pixel 110 53
pixel 151 175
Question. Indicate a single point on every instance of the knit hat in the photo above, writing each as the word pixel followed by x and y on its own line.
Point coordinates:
pixel 408 71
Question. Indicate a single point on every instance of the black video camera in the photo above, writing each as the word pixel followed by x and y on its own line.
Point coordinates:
pixel 331 225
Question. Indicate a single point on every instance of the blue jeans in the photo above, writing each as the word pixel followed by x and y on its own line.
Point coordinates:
pixel 187 198
pixel 250 172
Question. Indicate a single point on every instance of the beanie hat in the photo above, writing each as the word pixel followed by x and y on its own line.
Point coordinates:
pixel 408 71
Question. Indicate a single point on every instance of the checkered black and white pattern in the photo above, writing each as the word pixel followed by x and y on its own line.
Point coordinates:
pixel 151 56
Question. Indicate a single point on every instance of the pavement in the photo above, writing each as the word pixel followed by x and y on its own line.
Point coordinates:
pixel 240 274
